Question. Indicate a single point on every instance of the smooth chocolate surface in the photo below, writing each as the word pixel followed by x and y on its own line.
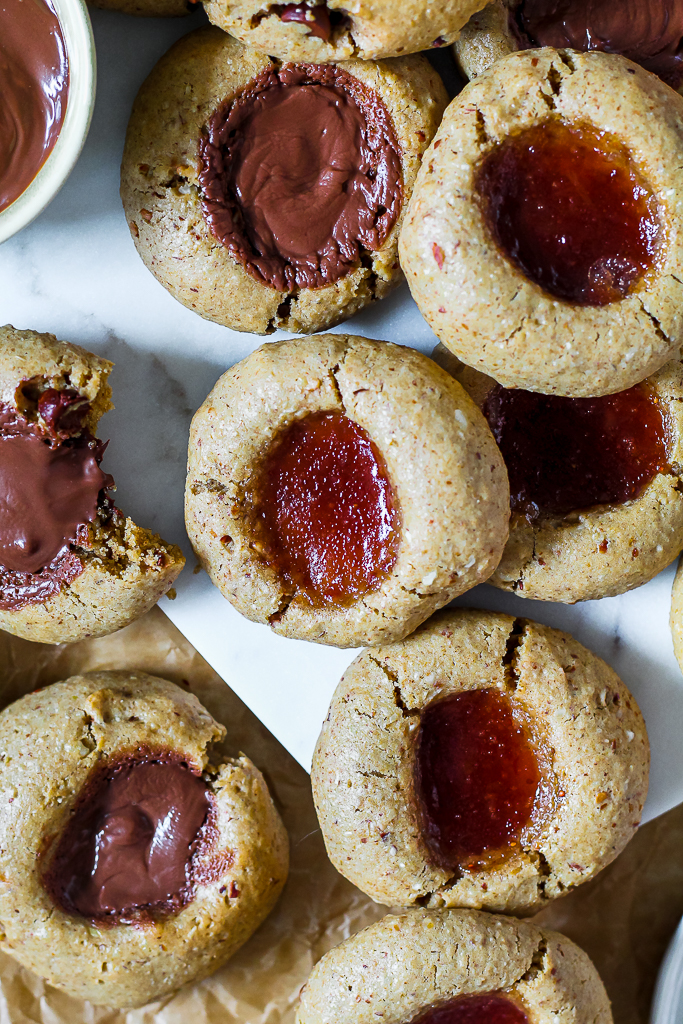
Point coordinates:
pixel 34 85
pixel 130 842
pixel 648 32
pixel 316 18
pixel 301 175
pixel 51 486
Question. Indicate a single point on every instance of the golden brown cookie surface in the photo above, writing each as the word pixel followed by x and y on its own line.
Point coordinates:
pixel 586 553
pixel 180 176
pixel 238 863
pixel 334 30
pixel 477 299
pixel 588 765
pixel 109 570
pixel 433 449
pixel 406 964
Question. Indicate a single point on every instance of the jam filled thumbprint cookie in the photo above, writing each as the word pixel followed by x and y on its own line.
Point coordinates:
pixel 544 241
pixel 454 967
pixel 484 762
pixel 134 855
pixel 594 483
pixel 71 564
pixel 648 32
pixel 342 489
pixel 267 195
pixel 330 30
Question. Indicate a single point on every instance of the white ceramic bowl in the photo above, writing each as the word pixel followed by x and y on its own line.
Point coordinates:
pixel 667 1005
pixel 80 47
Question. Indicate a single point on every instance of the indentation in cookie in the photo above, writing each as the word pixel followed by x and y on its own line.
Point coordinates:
pixel 129 847
pixel 486 1008
pixel 51 489
pixel 648 32
pixel 481 779
pixel 567 454
pixel 567 206
pixel 301 174
pixel 325 514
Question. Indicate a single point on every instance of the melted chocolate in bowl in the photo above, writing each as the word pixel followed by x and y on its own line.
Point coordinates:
pixel 327 519
pixel 478 778
pixel 129 845
pixel 51 487
pixel 565 454
pixel 567 207
pixel 34 86
pixel 489 1008
pixel 300 175
pixel 648 32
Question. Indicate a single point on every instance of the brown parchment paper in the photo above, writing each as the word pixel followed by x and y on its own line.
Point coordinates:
pixel 623 919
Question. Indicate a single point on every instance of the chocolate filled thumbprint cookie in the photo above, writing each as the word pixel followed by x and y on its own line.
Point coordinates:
pixel 596 507
pixel 544 240
pixel 331 30
pixel 266 195
pixel 454 967
pixel 483 762
pixel 341 489
pixel 648 32
pixel 135 856
pixel 71 564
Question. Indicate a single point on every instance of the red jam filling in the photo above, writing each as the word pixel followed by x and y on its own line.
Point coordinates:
pixel 489 1008
pixel 564 454
pixel 326 514
pixel 477 778
pixel 566 206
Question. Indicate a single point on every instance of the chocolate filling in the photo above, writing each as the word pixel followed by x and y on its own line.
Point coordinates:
pixel 301 175
pixel 51 487
pixel 34 85
pixel 649 32
pixel 129 846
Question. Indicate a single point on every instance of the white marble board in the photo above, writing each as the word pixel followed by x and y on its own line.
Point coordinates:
pixel 74 272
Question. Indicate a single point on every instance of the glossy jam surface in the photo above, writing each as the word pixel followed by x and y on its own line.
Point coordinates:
pixel 327 518
pixel 564 454
pixel 649 32
pixel 566 206
pixel 488 1008
pixel 129 844
pixel 34 85
pixel 477 777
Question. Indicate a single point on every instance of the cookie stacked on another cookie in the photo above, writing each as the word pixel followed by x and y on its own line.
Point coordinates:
pixel 269 195
pixel 71 564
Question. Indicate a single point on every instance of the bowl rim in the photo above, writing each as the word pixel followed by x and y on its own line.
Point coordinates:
pixel 80 47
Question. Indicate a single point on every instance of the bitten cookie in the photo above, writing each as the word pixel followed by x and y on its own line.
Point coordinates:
pixel 543 242
pixel 484 762
pixel 265 195
pixel 594 483
pixel 341 489
pixel 336 30
pixel 132 859
pixel 71 564
pixel 453 967
pixel 645 31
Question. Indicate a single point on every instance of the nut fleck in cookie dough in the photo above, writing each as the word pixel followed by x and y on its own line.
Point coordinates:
pixel 265 195
pixel 595 492
pixel 342 489
pixel 336 30
pixel 133 858
pixel 649 32
pixel 483 762
pixel 566 290
pixel 147 8
pixel 440 966
pixel 71 564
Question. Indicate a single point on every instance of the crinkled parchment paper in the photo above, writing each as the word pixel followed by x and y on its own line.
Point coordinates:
pixel 623 919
